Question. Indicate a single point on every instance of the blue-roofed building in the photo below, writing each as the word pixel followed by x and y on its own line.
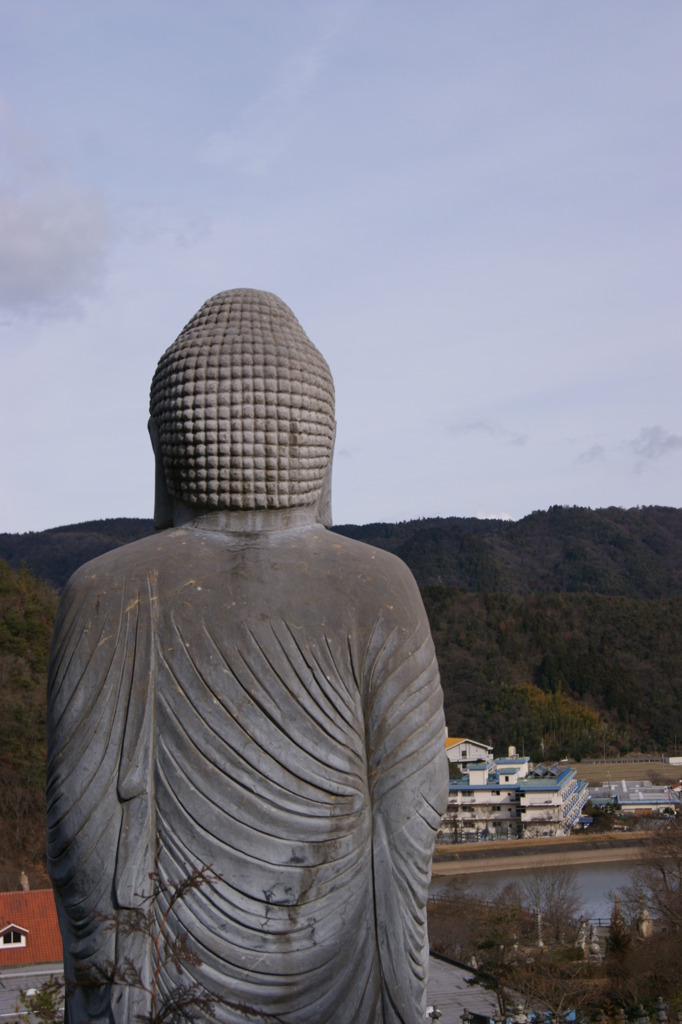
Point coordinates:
pixel 637 797
pixel 510 799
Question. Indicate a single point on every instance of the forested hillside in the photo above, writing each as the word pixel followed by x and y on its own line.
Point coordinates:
pixel 560 674
pixel 633 552
pixel 27 610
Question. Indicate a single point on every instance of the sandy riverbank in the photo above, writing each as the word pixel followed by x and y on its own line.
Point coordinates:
pixel 519 854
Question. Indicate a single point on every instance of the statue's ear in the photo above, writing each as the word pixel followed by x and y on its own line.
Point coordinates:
pixel 163 504
pixel 324 503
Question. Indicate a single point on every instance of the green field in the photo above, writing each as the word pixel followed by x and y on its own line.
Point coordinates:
pixel 598 772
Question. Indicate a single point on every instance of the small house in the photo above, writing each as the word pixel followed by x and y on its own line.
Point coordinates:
pixel 462 751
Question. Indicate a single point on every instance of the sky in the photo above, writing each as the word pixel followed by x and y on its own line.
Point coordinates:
pixel 472 208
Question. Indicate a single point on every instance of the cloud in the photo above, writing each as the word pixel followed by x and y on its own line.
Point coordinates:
pixel 496 515
pixel 653 443
pixel 489 428
pixel 52 245
pixel 597 453
pixel 53 234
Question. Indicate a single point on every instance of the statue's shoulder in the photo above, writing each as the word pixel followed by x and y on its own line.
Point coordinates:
pixel 377 571
pixel 365 554
pixel 122 562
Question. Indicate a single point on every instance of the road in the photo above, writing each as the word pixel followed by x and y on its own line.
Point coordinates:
pixel 512 854
pixel 12 979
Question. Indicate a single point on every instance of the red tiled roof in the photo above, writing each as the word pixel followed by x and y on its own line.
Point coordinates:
pixel 34 912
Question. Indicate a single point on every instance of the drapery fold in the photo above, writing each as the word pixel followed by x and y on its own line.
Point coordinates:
pixel 272 709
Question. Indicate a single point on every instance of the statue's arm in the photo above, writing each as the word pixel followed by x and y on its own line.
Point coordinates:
pixel 408 785
pixel 95 661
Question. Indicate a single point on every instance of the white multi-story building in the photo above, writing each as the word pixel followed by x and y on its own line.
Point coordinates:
pixel 551 800
pixel 506 799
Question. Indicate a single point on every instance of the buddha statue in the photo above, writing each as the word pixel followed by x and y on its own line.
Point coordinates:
pixel 249 691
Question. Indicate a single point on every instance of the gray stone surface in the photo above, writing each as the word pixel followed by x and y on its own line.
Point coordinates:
pixel 258 692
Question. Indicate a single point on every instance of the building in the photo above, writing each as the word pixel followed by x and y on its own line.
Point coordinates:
pixel 462 751
pixel 551 800
pixel 636 797
pixel 506 799
pixel 29 930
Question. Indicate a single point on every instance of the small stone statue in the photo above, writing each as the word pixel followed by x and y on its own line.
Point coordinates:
pixel 583 933
pixel 645 924
pixel 259 695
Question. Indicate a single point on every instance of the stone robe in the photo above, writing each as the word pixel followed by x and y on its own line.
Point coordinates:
pixel 266 703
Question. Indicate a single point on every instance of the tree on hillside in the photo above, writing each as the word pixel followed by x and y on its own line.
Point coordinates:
pixel 657 882
pixel 554 893
pixel 27 610
pixel 500 939
pixel 647 966
pixel 557 980
pixel 496 948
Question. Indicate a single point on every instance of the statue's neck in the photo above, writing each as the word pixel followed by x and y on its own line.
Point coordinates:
pixel 252 521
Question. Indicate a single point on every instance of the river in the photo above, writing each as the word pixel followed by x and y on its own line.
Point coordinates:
pixel 596 884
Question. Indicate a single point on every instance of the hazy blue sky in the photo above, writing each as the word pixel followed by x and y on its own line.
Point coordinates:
pixel 472 206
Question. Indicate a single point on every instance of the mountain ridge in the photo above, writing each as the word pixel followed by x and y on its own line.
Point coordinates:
pixel 612 551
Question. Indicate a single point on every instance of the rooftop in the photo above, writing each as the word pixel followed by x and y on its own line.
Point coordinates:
pixel 544 777
pixel 33 914
pixel 639 792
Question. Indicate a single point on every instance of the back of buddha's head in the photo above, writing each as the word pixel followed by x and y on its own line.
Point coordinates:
pixel 243 405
